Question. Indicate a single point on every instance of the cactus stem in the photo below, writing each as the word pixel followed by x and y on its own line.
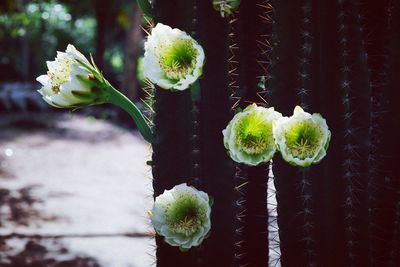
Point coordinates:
pixel 349 176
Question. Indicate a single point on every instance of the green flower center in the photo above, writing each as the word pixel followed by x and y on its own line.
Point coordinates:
pixel 303 139
pixel 178 59
pixel 254 134
pixel 185 215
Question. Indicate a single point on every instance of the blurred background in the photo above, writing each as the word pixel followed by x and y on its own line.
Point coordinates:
pixel 74 186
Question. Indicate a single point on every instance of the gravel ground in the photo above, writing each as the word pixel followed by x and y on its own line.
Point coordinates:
pixel 80 186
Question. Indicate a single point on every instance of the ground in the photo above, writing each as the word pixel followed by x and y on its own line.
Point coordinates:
pixel 74 191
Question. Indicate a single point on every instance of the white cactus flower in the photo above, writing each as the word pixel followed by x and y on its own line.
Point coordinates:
pixel 226 7
pixel 61 87
pixel 182 216
pixel 172 59
pixel 302 139
pixel 248 136
pixel 73 82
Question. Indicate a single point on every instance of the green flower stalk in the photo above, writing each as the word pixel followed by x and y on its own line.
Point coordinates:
pixel 302 139
pixel 182 216
pixel 248 136
pixel 226 7
pixel 74 82
pixel 173 60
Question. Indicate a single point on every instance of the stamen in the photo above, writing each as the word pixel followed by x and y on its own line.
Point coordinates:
pixel 179 59
pixel 184 217
pixel 303 142
pixel 55 88
pixel 253 134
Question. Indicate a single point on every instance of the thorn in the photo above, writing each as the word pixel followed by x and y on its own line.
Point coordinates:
pixel 143 29
pixel 349 132
pixel 241 185
pixel 345 84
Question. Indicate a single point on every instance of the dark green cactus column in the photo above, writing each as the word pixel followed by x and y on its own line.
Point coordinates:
pixel 355 87
pixel 389 111
pixel 322 211
pixel 217 170
pixel 282 84
pixel 382 47
pixel 344 99
pixel 254 31
pixel 173 153
pixel 327 178
pixel 241 175
pixel 344 211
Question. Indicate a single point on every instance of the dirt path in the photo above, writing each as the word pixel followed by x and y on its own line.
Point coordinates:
pixel 81 181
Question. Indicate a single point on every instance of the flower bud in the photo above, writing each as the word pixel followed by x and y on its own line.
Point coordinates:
pixel 70 81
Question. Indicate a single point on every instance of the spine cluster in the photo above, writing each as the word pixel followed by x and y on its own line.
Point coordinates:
pixel 304 76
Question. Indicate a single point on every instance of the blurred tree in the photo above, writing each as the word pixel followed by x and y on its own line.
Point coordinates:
pixel 103 12
pixel 31 33
pixel 132 51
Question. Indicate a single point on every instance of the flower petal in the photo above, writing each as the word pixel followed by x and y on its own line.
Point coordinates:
pixel 172 60
pixel 63 86
pixel 302 138
pixel 248 136
pixel 182 207
pixel 43 79
pixel 73 52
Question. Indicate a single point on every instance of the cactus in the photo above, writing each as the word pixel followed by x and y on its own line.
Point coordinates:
pixel 283 54
pixel 343 211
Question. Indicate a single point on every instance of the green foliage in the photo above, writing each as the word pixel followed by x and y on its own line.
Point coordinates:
pixel 33 18
pixel 115 58
pixel 44 27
